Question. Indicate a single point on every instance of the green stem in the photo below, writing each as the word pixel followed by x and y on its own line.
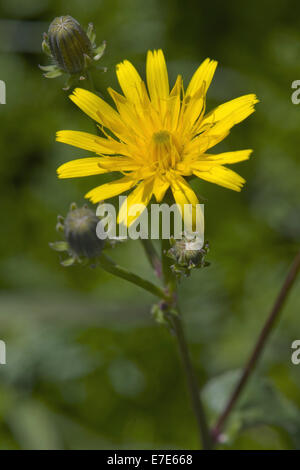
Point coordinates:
pixel 152 256
pixel 168 276
pixel 110 266
pixel 175 319
pixel 192 383
pixel 90 81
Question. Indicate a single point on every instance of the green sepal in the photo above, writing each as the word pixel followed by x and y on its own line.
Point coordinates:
pixel 91 34
pixel 53 74
pixel 67 262
pixel 99 51
pixel 45 47
pixel 48 68
pixel 59 246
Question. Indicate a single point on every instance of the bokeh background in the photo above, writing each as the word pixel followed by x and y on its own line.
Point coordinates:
pixel 87 367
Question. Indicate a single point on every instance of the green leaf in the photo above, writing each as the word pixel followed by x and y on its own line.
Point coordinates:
pixel 259 404
pixel 34 426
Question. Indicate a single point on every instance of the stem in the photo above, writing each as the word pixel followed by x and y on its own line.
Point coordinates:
pixel 152 256
pixel 170 283
pixel 192 383
pixel 259 346
pixel 90 81
pixel 110 266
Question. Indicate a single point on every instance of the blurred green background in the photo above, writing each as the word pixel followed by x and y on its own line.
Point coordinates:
pixel 87 367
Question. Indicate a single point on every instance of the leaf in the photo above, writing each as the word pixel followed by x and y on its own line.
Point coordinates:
pixel 260 404
pixel 33 426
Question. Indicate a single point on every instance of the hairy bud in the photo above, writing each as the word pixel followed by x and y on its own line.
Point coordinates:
pixel 81 241
pixel 69 45
pixel 187 254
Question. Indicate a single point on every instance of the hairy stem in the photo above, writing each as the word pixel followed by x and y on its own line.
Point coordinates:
pixel 260 344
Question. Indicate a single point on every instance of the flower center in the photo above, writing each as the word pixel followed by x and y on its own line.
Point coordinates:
pixel 161 137
pixel 165 152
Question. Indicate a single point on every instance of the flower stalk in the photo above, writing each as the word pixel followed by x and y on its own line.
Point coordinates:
pixel 174 317
pixel 259 346
pixel 191 379
pixel 152 256
pixel 111 267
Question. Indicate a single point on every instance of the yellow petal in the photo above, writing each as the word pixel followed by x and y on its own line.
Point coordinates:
pixel 222 158
pixel 130 81
pixel 129 115
pixel 108 190
pixel 90 142
pixel 193 110
pixel 228 114
pixel 118 164
pixel 204 74
pixel 183 194
pixel 222 176
pixel 216 125
pixel 174 105
pixel 141 195
pixel 98 110
pixel 203 142
pixel 157 76
pixel 160 187
pixel 81 167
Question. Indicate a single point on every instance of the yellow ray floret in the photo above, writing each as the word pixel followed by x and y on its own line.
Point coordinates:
pixel 156 136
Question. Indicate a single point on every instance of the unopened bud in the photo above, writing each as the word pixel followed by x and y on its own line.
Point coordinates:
pixel 80 239
pixel 72 50
pixel 80 232
pixel 69 44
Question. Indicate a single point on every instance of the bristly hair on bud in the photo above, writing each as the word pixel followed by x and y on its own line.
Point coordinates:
pixel 188 254
pixel 81 241
pixel 72 50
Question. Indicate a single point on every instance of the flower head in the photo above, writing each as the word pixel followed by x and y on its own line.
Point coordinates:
pixel 72 50
pixel 157 136
pixel 80 239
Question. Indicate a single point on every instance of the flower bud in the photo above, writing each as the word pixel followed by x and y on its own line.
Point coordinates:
pixel 80 232
pixel 73 51
pixel 69 44
pixel 80 239
pixel 188 253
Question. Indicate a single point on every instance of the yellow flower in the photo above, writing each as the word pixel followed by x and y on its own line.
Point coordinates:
pixel 156 137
